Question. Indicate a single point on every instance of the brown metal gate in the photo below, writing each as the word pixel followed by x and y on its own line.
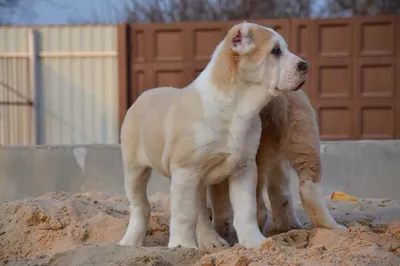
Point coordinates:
pixel 355 66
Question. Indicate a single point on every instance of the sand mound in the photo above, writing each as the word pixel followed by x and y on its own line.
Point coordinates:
pixel 57 222
pixel 314 247
pixel 47 231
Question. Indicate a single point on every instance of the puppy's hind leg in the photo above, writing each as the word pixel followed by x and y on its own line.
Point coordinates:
pixel 265 157
pixel 207 236
pixel 136 179
pixel 283 215
pixel 220 206
pixel 304 156
pixel 261 193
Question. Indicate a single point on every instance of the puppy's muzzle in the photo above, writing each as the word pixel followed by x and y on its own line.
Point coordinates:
pixel 299 86
pixel 302 66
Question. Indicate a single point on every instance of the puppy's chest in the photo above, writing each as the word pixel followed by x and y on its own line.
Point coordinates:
pixel 231 140
pixel 224 136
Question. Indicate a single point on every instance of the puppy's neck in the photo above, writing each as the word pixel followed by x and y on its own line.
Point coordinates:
pixel 222 85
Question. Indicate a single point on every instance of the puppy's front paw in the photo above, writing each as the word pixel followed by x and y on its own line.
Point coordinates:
pixel 132 239
pixel 339 226
pixel 331 224
pixel 122 243
pixel 252 240
pixel 130 243
pixel 285 224
pixel 182 241
pixel 208 239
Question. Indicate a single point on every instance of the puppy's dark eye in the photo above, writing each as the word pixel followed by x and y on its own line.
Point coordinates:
pixel 276 51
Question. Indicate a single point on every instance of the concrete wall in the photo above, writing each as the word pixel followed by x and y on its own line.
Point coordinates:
pixel 362 168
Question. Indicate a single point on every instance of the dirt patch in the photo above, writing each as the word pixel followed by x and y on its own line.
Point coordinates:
pixel 66 229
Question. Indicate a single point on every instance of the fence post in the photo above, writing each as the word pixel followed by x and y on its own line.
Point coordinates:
pixel 123 71
pixel 33 55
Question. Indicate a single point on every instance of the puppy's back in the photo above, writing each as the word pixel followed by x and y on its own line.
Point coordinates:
pixel 145 119
pixel 152 104
pixel 288 112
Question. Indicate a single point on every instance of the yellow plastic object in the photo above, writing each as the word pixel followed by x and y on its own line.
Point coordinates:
pixel 339 195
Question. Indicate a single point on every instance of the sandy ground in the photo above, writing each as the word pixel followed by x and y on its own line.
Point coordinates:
pixel 83 229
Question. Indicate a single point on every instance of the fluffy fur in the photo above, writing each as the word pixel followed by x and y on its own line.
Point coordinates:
pixel 290 138
pixel 206 133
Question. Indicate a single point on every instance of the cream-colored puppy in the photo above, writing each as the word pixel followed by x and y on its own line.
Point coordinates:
pixel 205 133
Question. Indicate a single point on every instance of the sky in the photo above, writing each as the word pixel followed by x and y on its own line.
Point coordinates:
pixel 63 11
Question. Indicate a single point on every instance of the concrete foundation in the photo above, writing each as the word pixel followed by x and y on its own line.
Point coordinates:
pixel 362 168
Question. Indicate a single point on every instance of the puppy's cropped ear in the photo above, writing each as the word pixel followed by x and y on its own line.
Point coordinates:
pixel 243 40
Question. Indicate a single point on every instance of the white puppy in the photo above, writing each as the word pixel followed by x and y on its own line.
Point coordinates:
pixel 205 133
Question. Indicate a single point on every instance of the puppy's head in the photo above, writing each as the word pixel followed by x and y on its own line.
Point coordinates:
pixel 260 56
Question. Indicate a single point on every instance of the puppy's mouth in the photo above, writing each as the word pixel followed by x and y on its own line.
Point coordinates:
pixel 299 87
pixel 295 89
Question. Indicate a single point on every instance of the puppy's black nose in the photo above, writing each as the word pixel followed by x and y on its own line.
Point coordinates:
pixel 302 66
